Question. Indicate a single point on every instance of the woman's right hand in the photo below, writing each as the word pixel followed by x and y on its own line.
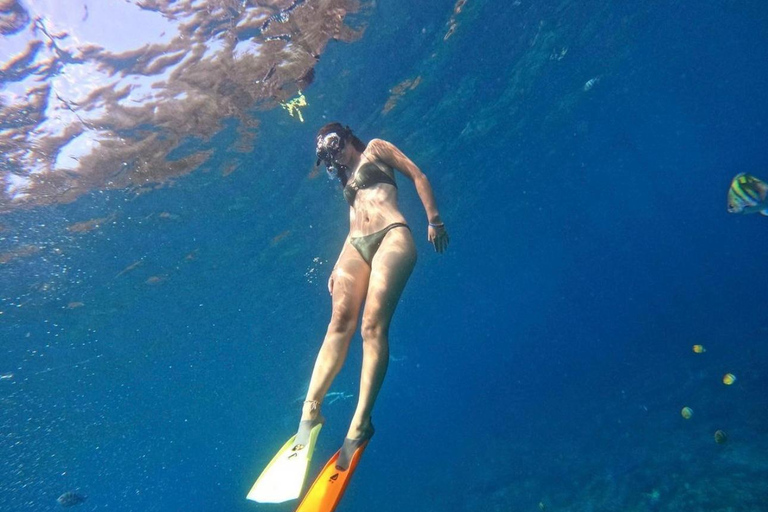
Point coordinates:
pixel 438 236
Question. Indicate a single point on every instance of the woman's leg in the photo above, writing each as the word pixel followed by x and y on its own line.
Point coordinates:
pixel 390 269
pixel 349 286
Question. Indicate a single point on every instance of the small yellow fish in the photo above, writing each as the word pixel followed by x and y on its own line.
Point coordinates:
pixel 699 349
pixel 591 83
pixel 293 106
pixel 720 437
pixel 747 194
pixel 686 413
pixel 729 379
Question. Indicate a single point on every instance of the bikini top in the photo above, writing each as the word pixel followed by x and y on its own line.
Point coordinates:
pixel 367 174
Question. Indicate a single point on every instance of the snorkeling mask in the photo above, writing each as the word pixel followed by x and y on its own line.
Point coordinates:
pixel 328 149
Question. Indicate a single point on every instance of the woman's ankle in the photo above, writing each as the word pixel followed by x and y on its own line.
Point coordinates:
pixel 310 410
pixel 360 429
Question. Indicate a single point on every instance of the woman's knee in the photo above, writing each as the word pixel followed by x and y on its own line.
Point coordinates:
pixel 374 331
pixel 343 321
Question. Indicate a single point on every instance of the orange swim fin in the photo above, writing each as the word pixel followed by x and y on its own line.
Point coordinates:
pixel 327 490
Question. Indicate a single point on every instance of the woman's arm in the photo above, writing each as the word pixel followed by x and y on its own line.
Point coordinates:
pixel 392 156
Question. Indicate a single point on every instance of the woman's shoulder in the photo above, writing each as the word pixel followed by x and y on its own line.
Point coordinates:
pixel 376 146
pixel 376 152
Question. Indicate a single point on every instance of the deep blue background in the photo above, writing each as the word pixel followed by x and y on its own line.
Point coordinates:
pixel 544 358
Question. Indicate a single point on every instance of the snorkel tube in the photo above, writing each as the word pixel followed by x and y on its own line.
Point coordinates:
pixel 328 148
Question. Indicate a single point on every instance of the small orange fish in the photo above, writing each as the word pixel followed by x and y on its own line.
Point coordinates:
pixel 686 413
pixel 729 379
pixel 699 349
pixel 229 169
pixel 155 280
pixel 21 252
pixel 279 237
pixel 130 267
pixel 89 225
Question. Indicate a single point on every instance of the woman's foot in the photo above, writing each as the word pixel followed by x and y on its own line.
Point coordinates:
pixel 310 417
pixel 352 444
pixel 305 430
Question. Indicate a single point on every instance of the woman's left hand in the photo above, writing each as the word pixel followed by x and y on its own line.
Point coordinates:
pixel 438 237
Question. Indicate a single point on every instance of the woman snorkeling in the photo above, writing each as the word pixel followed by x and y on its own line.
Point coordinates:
pixel 373 267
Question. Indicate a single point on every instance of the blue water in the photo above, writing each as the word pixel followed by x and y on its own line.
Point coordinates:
pixel 156 363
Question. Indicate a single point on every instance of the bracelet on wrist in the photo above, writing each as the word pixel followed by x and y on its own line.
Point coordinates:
pixel 436 225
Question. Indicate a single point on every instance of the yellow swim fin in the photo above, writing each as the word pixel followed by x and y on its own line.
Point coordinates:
pixel 284 476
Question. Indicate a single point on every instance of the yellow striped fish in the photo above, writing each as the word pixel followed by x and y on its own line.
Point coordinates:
pixel 747 195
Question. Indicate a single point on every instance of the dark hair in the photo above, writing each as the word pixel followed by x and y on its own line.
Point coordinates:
pixel 345 132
